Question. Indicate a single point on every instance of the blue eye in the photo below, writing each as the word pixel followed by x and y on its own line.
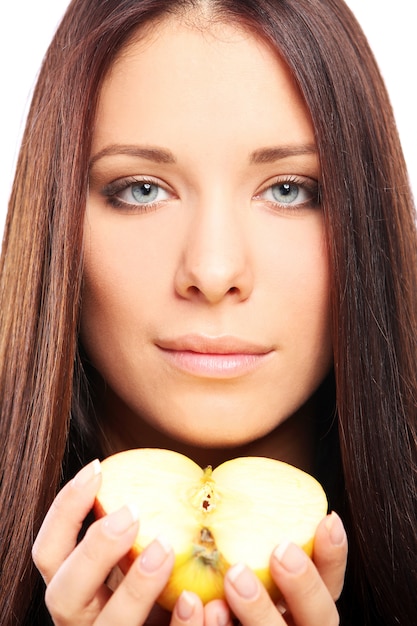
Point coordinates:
pixel 292 193
pixel 133 193
pixel 144 192
pixel 285 192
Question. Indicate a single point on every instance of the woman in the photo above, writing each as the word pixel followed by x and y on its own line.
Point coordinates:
pixel 63 390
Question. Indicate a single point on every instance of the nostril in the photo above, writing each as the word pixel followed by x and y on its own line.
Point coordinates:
pixel 193 290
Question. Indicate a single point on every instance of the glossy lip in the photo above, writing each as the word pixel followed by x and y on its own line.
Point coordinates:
pixel 214 357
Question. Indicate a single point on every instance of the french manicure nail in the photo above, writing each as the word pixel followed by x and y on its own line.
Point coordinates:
pixel 154 555
pixel 87 474
pixel 291 557
pixel 120 521
pixel 243 580
pixel 222 617
pixel 335 529
pixel 281 608
pixel 185 606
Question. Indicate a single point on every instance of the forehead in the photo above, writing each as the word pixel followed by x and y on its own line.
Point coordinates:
pixel 183 74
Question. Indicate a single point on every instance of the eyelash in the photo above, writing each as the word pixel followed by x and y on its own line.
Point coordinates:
pixel 113 190
pixel 309 186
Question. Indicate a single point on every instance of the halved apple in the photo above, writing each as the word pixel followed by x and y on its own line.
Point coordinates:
pixel 238 512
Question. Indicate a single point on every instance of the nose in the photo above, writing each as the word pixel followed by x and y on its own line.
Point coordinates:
pixel 215 262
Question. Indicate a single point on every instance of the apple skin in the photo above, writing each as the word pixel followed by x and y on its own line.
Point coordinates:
pixel 216 519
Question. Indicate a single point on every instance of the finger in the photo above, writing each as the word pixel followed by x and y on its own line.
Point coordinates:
pixel 78 584
pixel 137 593
pixel 188 610
pixel 58 534
pixel 217 613
pixel 330 553
pixel 248 598
pixel 306 596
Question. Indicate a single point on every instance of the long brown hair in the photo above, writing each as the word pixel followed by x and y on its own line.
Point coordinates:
pixel 371 236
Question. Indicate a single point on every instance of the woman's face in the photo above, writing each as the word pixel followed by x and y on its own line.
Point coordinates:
pixel 206 301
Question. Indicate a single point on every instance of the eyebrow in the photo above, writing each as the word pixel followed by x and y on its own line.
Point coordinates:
pixel 157 155
pixel 269 155
pixel 162 155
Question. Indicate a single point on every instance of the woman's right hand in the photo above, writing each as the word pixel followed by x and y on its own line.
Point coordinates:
pixel 75 573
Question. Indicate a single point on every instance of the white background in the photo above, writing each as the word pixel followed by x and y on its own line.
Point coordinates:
pixel 28 25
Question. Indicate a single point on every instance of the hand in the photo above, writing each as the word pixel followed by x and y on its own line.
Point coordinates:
pixel 75 574
pixel 309 587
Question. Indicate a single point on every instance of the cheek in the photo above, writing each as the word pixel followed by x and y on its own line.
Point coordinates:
pixel 313 293
pixel 117 269
pixel 105 291
pixel 97 303
pixel 308 300
pixel 126 276
pixel 295 259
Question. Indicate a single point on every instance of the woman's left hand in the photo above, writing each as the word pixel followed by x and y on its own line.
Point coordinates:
pixel 310 588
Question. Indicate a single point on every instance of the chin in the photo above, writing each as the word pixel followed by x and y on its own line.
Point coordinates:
pixel 217 435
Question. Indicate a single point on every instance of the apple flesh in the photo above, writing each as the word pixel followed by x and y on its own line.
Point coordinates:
pixel 239 512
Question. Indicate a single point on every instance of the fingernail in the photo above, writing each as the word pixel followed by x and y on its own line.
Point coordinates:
pixel 185 606
pixel 335 528
pixel 281 608
pixel 223 616
pixel 87 474
pixel 291 557
pixel 154 555
pixel 243 580
pixel 120 521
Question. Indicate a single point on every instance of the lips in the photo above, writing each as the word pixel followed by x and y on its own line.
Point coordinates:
pixel 213 357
